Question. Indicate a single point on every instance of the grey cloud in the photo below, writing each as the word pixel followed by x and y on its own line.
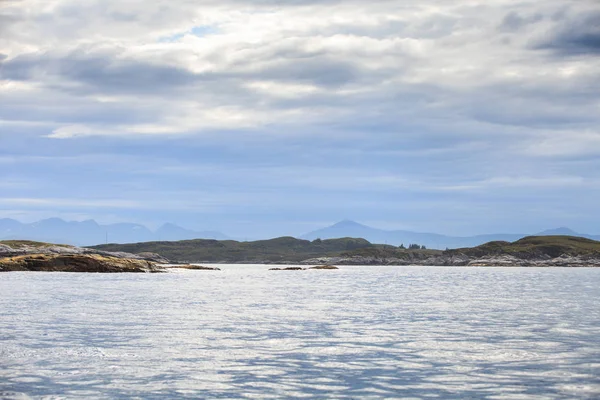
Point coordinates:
pixel 561 13
pixel 531 109
pixel 291 60
pixel 513 21
pixel 320 71
pixel 125 17
pixel 7 21
pixel 576 35
pixel 434 27
pixel 103 71
pixel 72 110
pixel 106 73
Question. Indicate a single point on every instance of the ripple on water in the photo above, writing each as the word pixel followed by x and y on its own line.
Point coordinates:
pixel 360 332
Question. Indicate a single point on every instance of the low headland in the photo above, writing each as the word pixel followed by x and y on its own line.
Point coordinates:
pixel 531 251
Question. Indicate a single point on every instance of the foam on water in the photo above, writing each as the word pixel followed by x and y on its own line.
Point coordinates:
pixel 359 332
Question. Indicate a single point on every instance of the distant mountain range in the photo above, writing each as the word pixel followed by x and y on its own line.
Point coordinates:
pixel 86 233
pixel 430 240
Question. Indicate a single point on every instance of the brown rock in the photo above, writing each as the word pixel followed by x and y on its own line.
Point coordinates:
pixel 194 267
pixel 324 267
pixel 154 257
pixel 76 263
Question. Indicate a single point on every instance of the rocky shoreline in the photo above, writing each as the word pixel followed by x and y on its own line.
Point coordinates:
pixel 34 256
pixel 462 260
pixel 556 251
pixel 76 263
pixel 304 269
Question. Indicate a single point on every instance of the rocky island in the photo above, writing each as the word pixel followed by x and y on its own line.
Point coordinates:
pixel 19 255
pixel 303 269
pixel 532 251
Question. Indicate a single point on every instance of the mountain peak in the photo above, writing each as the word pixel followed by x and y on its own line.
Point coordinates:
pixel 89 222
pixel 51 223
pixel 89 232
pixel 53 219
pixel 169 226
pixel 347 223
pixel 559 231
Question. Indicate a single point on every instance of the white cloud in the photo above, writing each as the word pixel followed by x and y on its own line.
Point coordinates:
pixel 390 98
pixel 238 65
pixel 573 143
pixel 67 202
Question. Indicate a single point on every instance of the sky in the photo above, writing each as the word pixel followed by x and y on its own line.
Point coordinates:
pixel 266 118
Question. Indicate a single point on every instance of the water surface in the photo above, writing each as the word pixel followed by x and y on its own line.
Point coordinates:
pixel 359 332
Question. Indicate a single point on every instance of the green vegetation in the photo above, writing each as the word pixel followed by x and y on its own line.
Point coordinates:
pixel 273 250
pixel 292 250
pixel 536 247
pixel 289 249
pixel 382 251
pixel 283 249
pixel 17 244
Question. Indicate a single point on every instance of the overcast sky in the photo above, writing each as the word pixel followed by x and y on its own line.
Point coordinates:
pixel 264 118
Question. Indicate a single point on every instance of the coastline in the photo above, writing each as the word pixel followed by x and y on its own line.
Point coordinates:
pixel 546 252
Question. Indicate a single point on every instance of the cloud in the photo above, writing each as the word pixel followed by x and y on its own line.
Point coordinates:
pixel 77 203
pixel 577 34
pixel 293 67
pixel 567 144
pixel 513 21
pixel 395 105
pixel 95 72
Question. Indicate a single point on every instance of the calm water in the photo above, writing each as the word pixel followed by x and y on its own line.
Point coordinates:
pixel 360 332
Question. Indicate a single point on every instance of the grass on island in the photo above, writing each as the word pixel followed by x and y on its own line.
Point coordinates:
pixel 536 246
pixel 17 244
pixel 290 250
pixel 283 249
pixel 382 251
pixel 273 250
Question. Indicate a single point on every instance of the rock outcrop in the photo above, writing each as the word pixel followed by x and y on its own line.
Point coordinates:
pixel 37 256
pixel 193 267
pixel 23 247
pixel 303 269
pixel 153 257
pixel 461 260
pixel 535 251
pixel 76 263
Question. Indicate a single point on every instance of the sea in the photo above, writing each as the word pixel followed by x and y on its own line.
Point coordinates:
pixel 245 332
